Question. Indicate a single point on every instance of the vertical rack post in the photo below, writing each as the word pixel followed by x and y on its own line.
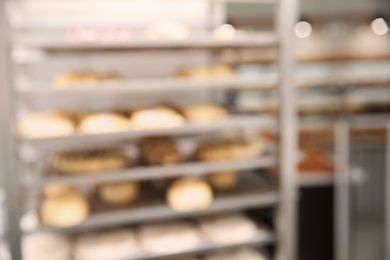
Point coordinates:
pixel 286 18
pixel 8 144
pixel 342 143
pixel 387 195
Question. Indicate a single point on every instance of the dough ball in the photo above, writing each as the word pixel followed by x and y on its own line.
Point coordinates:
pixel 205 113
pixel 45 125
pixel 168 238
pixel 227 230
pixel 156 118
pixel 65 209
pixel 117 194
pixel 114 245
pixel 223 180
pixel 189 194
pixel 90 161
pixel 101 123
pixel 46 246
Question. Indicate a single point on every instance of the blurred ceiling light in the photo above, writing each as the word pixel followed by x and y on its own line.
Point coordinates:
pixel 303 29
pixel 379 26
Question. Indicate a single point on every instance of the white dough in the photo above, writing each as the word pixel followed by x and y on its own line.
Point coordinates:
pixel 169 238
pixel 241 254
pixel 114 245
pixel 46 246
pixel 230 229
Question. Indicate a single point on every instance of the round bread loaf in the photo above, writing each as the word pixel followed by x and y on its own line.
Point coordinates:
pixel 220 229
pixel 189 194
pixel 91 161
pixel 117 194
pixel 155 118
pixel 46 246
pixel 114 245
pixel 101 123
pixel 223 180
pixel 64 209
pixel 168 238
pixel 45 125
pixel 204 113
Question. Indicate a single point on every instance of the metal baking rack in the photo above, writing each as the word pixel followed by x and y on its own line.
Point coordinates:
pixel 283 196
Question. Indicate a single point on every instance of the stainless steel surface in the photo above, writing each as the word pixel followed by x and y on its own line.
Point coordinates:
pixel 8 160
pixel 342 200
pixel 158 172
pixel 232 123
pixel 287 16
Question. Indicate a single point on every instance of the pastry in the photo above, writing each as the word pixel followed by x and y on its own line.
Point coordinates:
pixel 46 246
pixel 219 71
pixel 168 238
pixel 228 150
pixel 66 208
pixel 204 113
pixel 167 31
pixel 225 32
pixel 189 194
pixel 114 245
pixel 159 151
pixel 156 118
pixel 239 254
pixel 84 78
pixel 90 161
pixel 100 123
pixel 219 229
pixel 222 181
pixel 45 125
pixel 119 193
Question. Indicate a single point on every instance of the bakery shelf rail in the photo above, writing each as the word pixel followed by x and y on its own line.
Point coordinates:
pixel 161 211
pixel 158 172
pixel 263 39
pixel 233 122
pixel 148 86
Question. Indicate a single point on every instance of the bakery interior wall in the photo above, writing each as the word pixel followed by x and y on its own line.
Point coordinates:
pixel 342 50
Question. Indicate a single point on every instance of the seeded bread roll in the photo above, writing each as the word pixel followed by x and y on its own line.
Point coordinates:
pixel 204 113
pixel 189 194
pixel 46 125
pixel 89 161
pixel 100 123
pixel 67 208
pixel 159 151
pixel 228 150
pixel 119 193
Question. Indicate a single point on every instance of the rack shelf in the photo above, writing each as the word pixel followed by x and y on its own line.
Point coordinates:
pixel 233 122
pixel 158 172
pixel 207 41
pixel 148 86
pixel 253 191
